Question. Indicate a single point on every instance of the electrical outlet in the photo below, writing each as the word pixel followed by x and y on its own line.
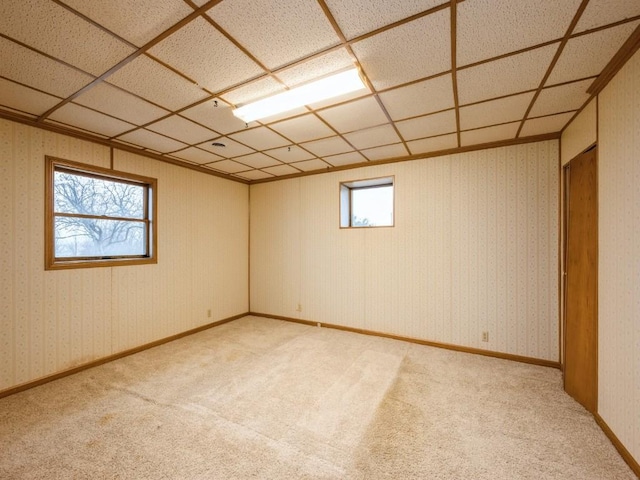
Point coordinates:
pixel 319 325
pixel 209 313
pixel 485 336
pixel 299 308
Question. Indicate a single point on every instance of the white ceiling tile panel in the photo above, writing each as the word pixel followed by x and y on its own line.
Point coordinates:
pixel 137 21
pixel 315 68
pixel 419 98
pixel 24 99
pixel 77 129
pixel 605 12
pixel 254 175
pixel 290 154
pixel 587 55
pixel 228 166
pixel 153 141
pixel 219 118
pixel 37 71
pixel 561 99
pixel 230 150
pixel 328 146
pixel 276 33
pixel 52 29
pixel 109 99
pixel 411 51
pixel 357 17
pixel 426 145
pixel 373 137
pixel 542 125
pixel 503 110
pixel 489 134
pixel 388 151
pixel 355 115
pixel 257 160
pixel 182 129
pixel 260 138
pixel 345 159
pixel 253 91
pixel 310 165
pixel 302 129
pixel 86 119
pixel 429 126
pixel 513 74
pixel 281 170
pixel 206 56
pixel 196 155
pixel 149 79
pixel 488 28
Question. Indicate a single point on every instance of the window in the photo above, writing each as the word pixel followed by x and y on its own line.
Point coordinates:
pixel 97 217
pixel 367 203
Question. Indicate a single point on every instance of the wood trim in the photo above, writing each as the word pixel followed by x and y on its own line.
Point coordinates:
pixel 115 356
pixel 454 68
pixel 447 346
pixel 622 450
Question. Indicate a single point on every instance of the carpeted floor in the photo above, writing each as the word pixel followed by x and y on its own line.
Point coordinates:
pixel 265 399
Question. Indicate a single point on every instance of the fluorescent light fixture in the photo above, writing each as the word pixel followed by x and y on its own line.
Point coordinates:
pixel 323 89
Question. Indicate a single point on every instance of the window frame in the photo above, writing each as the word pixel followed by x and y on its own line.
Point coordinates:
pixel 346 190
pixel 150 219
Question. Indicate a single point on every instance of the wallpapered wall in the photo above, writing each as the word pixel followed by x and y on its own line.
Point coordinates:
pixel 474 248
pixel 54 320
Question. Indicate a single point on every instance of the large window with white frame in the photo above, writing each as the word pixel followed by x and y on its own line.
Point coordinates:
pixel 98 217
pixel 367 203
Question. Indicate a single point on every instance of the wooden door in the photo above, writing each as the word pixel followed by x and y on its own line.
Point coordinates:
pixel 581 309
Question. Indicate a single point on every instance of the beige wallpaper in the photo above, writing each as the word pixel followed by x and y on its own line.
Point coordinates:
pixel 580 133
pixel 51 321
pixel 475 248
pixel 619 256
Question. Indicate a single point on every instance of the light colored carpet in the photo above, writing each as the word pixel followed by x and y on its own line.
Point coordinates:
pixel 261 398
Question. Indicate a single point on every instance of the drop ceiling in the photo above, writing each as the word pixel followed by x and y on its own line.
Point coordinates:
pixel 162 76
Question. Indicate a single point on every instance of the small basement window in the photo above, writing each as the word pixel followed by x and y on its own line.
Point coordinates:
pixel 96 217
pixel 367 203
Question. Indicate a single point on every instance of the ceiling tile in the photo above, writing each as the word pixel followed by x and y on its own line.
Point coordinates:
pixel 230 150
pixel 257 160
pixel 587 55
pixel 355 115
pixel 253 91
pixel 433 144
pixel 494 112
pixel 508 75
pixel 217 116
pixel 542 125
pixel 182 129
pixel 302 129
pixel 328 146
pixel 317 67
pixel 52 29
pixel 281 170
pixel 137 21
pixel 384 153
pixel 488 28
pixel 254 175
pixel 429 126
pixel 394 56
pixel 290 154
pixel 90 120
pixel 190 50
pixel 419 98
pixel 260 138
pixel 276 33
pixel 489 134
pixel 605 12
pixel 196 155
pixel 310 165
pixel 350 158
pixel 148 79
pixel 25 99
pixel 37 71
pixel 228 166
pixel 373 137
pixel 563 98
pixel 152 140
pixel 357 17
pixel 121 104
